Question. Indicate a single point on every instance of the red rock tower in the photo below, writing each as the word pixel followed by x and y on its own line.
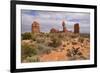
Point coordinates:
pixel 35 27
pixel 53 30
pixel 64 27
pixel 76 28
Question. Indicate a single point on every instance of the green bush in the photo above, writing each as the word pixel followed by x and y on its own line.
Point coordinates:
pixel 85 35
pixel 33 37
pixel 28 50
pixel 47 35
pixel 32 59
pixel 43 49
pixel 55 42
pixel 26 36
pixel 74 54
pixel 81 39
pixel 40 40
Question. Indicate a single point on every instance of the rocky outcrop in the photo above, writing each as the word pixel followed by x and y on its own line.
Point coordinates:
pixel 76 28
pixel 53 30
pixel 64 27
pixel 35 27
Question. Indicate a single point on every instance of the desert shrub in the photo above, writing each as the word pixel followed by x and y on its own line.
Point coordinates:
pixel 26 36
pixel 68 43
pixel 40 34
pixel 55 42
pixel 40 40
pixel 47 51
pixel 40 47
pixel 81 39
pixel 32 59
pixel 74 43
pixel 88 40
pixel 68 53
pixel 55 49
pixel 43 49
pixel 85 35
pixel 61 36
pixel 83 57
pixel 47 35
pixel 73 36
pixel 72 52
pixel 64 45
pixel 28 50
pixel 33 37
pixel 52 35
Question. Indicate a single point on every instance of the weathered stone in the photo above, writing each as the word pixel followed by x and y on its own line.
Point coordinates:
pixel 64 27
pixel 35 27
pixel 76 28
pixel 53 30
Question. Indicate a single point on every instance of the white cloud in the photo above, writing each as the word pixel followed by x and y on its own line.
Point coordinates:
pixel 49 19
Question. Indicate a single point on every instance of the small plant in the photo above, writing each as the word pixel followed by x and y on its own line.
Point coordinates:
pixel 73 52
pixel 33 37
pixel 28 50
pixel 26 36
pixel 68 43
pixel 68 53
pixel 55 49
pixel 64 45
pixel 48 51
pixel 40 40
pixel 73 36
pixel 47 35
pixel 85 35
pixel 81 39
pixel 61 36
pixel 32 59
pixel 55 42
pixel 43 49
pixel 74 43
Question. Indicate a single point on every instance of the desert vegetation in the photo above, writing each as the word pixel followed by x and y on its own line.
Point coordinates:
pixel 41 47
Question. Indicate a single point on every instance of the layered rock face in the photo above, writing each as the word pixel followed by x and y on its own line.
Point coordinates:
pixel 76 28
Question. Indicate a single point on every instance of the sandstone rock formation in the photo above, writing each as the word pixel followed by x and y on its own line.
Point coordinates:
pixel 53 30
pixel 64 27
pixel 76 28
pixel 35 27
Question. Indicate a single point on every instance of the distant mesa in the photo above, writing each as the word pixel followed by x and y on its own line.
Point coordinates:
pixel 36 28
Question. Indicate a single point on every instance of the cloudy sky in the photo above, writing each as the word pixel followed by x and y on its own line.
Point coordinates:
pixel 53 19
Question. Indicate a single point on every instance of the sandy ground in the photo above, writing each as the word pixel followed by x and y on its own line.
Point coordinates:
pixel 61 53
